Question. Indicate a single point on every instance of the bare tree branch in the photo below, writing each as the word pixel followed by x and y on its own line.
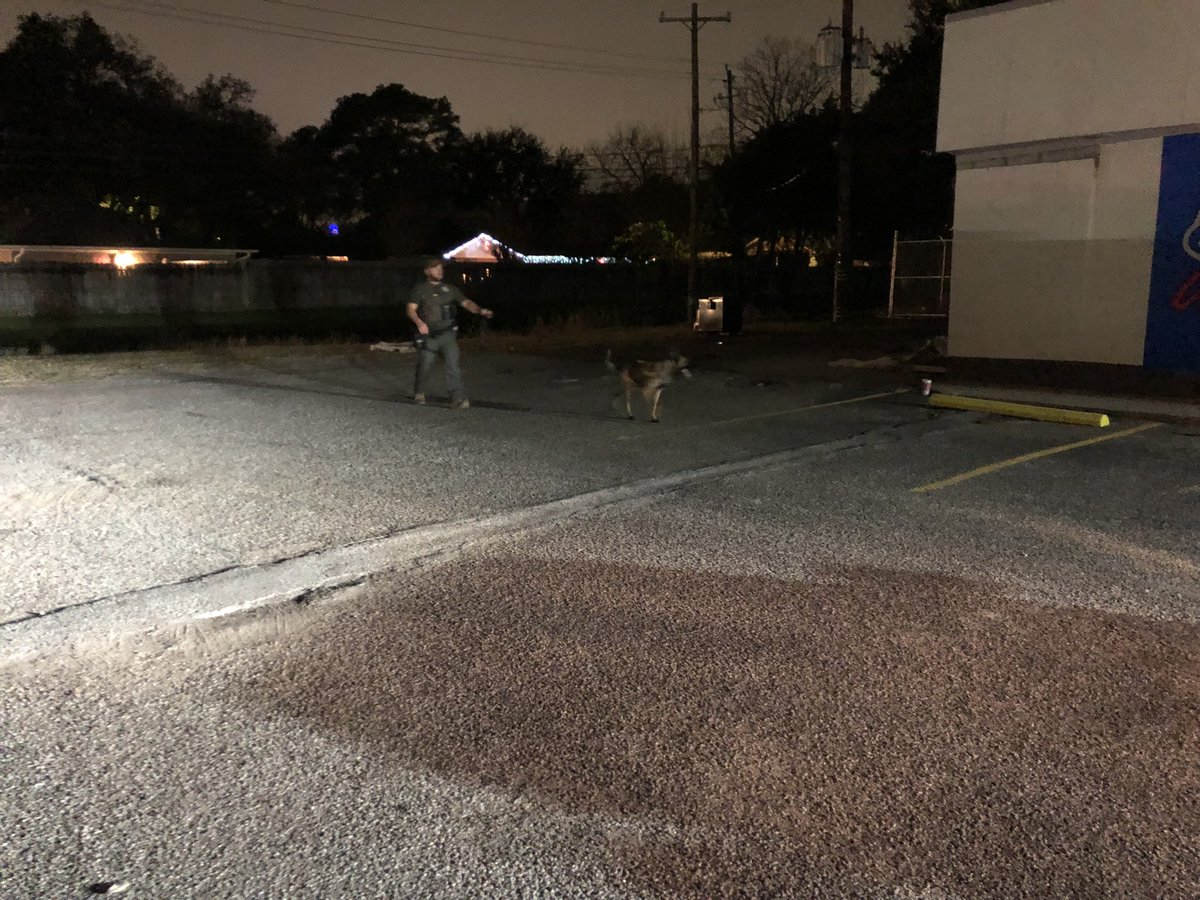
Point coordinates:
pixel 778 81
pixel 632 156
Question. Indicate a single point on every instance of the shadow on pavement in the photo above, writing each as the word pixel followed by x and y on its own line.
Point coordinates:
pixel 759 737
pixel 400 394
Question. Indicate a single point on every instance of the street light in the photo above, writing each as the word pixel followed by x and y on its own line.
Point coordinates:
pixel 838 47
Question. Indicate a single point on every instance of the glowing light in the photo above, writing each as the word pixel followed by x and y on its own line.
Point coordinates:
pixel 332 228
pixel 483 244
pixel 123 259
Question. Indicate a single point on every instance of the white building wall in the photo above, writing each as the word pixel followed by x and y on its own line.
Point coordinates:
pixel 1056 110
pixel 1052 260
pixel 1048 70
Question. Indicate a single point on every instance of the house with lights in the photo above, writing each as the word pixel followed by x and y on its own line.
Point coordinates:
pixel 485 249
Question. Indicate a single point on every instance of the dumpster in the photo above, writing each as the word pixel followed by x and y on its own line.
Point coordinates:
pixel 710 314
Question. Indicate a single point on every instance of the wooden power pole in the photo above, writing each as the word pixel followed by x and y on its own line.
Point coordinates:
pixel 694 22
pixel 729 102
pixel 841 275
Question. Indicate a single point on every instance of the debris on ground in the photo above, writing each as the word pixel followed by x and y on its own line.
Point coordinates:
pixel 406 347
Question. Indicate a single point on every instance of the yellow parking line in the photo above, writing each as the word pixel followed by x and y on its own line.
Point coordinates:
pixel 781 412
pixel 1027 457
pixel 796 409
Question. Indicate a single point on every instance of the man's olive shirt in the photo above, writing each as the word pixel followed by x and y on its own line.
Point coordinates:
pixel 437 304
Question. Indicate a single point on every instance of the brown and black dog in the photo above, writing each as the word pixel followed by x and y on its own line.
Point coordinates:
pixel 649 377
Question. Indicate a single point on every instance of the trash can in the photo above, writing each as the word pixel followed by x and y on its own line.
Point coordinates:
pixel 710 314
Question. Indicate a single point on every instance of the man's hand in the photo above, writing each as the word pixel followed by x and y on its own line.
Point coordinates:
pixel 486 313
pixel 422 328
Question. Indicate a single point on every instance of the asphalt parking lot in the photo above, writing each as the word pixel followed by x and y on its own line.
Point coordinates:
pixel 127 483
pixel 803 637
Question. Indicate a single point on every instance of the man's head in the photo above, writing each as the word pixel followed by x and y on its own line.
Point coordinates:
pixel 434 268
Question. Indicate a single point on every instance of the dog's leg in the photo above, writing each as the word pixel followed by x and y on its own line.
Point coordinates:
pixel 627 384
pixel 654 406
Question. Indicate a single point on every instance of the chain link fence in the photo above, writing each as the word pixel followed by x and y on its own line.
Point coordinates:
pixel 920 283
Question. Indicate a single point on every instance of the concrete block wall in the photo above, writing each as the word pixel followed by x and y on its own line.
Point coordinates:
pixel 66 304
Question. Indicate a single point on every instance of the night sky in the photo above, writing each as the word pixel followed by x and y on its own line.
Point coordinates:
pixel 510 62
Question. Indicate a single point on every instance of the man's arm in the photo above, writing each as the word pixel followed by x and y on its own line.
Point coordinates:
pixel 472 307
pixel 422 328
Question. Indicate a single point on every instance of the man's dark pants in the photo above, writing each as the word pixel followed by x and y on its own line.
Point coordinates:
pixel 444 345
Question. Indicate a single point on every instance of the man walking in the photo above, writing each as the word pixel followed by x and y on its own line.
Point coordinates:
pixel 433 309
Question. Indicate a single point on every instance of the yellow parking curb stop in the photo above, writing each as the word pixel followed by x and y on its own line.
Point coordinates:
pixel 1020 410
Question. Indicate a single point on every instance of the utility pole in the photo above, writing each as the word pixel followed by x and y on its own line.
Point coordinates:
pixel 694 22
pixel 729 100
pixel 732 314
pixel 841 277
pixel 854 53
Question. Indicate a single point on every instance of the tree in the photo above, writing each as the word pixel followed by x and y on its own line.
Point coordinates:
pixel 634 157
pixel 649 240
pixel 778 82
pixel 902 182
pixel 778 193
pixel 910 73
pixel 232 187
pixel 639 176
pixel 101 145
pixel 80 115
pixel 510 184
pixel 385 159
pixel 387 147
pixel 311 208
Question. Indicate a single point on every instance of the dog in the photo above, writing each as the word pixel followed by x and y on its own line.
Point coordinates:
pixel 649 377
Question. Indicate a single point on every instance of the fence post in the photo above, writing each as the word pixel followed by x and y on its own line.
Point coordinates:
pixel 942 277
pixel 892 280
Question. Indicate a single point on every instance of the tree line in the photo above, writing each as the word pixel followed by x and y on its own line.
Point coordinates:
pixel 99 144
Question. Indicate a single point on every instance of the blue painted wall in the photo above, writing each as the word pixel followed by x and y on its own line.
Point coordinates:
pixel 1173 319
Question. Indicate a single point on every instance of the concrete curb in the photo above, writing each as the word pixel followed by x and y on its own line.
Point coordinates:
pixel 1020 410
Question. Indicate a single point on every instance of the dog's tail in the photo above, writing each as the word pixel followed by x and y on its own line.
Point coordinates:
pixel 608 361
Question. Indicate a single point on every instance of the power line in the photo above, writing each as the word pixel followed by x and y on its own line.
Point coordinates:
pixel 479 34
pixel 415 48
pixel 244 23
